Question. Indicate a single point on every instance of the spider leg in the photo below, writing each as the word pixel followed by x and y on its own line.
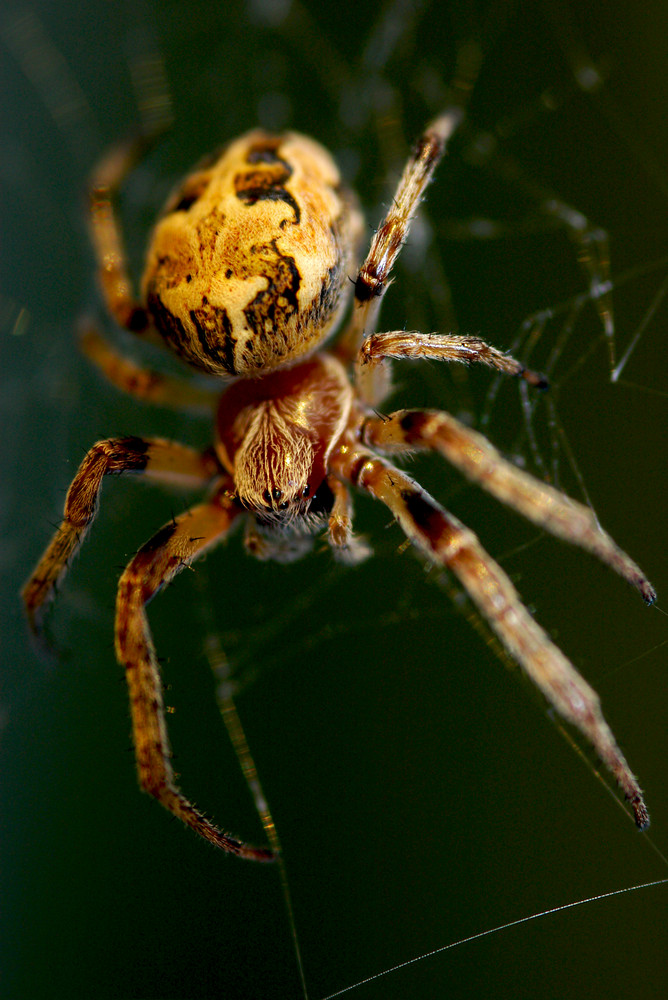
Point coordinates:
pixel 445 541
pixel 480 461
pixel 346 547
pixel 155 564
pixel 402 344
pixel 374 276
pixel 150 386
pixel 156 458
pixel 107 237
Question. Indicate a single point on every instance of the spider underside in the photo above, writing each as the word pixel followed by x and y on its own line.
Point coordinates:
pixel 296 427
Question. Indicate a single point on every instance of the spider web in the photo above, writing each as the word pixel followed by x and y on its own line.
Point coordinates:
pixel 418 793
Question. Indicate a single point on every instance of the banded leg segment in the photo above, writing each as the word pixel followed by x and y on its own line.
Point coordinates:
pixel 106 234
pixel 174 547
pixel 480 462
pixel 447 542
pixel 149 386
pixel 374 275
pixel 156 458
pixel 347 547
pixel 401 344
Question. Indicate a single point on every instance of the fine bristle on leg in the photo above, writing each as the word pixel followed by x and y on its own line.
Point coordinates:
pixel 444 540
pixel 174 547
pixel 480 461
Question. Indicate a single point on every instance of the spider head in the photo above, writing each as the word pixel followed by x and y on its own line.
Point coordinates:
pixel 275 461
pixel 273 504
pixel 275 436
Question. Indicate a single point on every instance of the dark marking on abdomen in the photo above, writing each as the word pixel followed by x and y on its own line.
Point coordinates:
pixel 266 182
pixel 189 192
pixel 214 332
pixel 214 335
pixel 167 324
pixel 272 309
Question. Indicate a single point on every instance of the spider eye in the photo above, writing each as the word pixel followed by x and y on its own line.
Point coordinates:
pixel 277 494
pixel 306 491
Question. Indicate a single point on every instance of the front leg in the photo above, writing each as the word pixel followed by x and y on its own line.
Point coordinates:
pixel 374 275
pixel 156 458
pixel 347 547
pixel 166 554
pixel 372 374
pixel 402 344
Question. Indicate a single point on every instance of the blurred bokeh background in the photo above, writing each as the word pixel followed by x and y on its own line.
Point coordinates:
pixel 421 790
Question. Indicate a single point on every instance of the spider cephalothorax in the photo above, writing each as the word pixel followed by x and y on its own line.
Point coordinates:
pixel 247 274
pixel 275 435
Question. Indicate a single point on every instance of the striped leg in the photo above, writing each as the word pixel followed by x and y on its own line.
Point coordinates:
pixel 374 275
pixel 149 386
pixel 479 460
pixel 106 235
pixel 447 542
pixel 346 547
pixel 166 554
pixel 403 344
pixel 156 458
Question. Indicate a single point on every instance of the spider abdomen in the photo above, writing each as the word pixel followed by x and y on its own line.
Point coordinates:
pixel 248 267
pixel 275 434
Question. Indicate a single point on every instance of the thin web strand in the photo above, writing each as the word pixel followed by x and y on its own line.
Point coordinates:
pixel 225 691
pixel 496 930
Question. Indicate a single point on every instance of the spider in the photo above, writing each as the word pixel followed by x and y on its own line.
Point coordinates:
pixel 246 277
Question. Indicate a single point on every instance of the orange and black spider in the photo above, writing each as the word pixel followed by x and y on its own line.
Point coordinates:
pixel 247 275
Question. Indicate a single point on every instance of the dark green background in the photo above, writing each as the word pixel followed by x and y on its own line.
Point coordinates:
pixel 420 790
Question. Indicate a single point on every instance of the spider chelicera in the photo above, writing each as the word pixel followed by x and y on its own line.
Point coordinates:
pixel 247 275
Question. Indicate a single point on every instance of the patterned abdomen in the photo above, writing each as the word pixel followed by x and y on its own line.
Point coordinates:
pixel 248 268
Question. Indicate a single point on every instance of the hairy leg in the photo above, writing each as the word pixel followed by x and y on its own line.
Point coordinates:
pixel 149 386
pixel 106 235
pixel 374 275
pixel 444 540
pixel 401 344
pixel 156 458
pixel 174 547
pixel 346 547
pixel 480 461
